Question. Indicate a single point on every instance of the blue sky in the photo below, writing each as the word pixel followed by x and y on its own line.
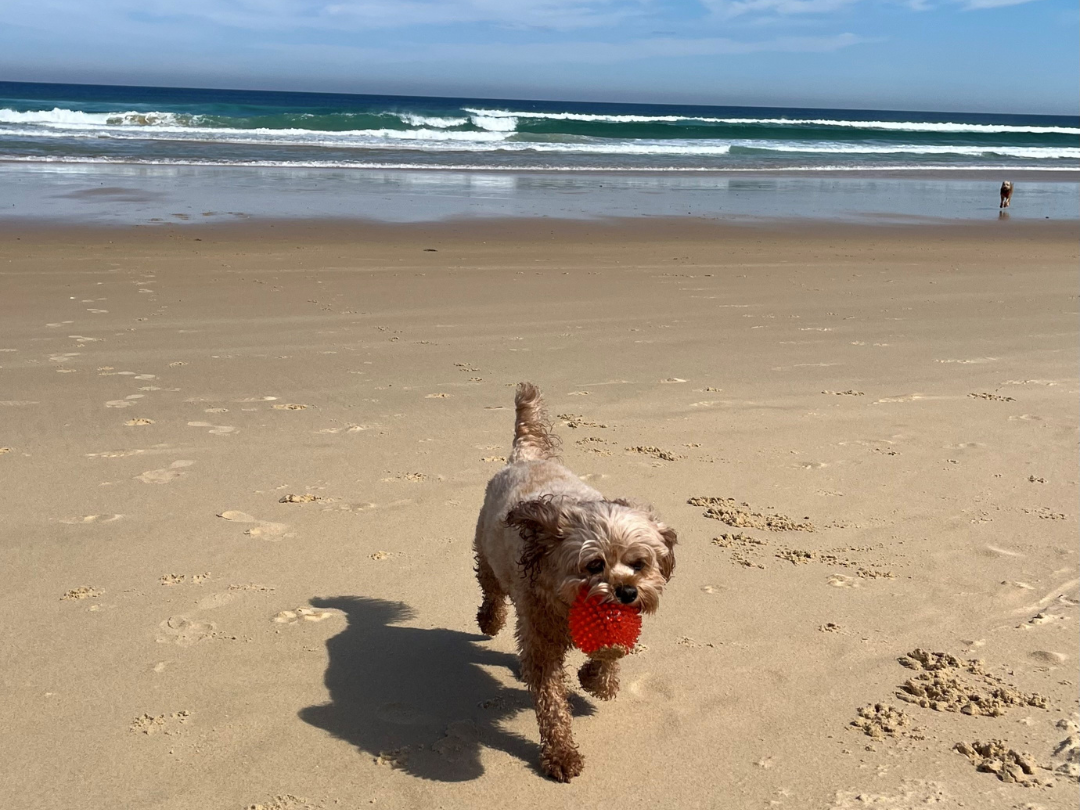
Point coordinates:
pixel 977 55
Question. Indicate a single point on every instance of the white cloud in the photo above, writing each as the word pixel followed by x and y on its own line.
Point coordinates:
pixel 737 8
pixel 568 53
pixel 382 14
pixel 977 5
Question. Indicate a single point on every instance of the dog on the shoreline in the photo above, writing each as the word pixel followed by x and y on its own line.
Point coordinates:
pixel 1006 194
pixel 542 536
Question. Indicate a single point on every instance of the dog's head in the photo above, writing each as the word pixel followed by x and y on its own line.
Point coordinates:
pixel 620 550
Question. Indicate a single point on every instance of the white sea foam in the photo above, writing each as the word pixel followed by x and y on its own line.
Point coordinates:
pixel 900 126
pixel 507 121
pixel 1031 152
pixel 495 123
pixel 414 120
pixel 59 116
pixel 446 140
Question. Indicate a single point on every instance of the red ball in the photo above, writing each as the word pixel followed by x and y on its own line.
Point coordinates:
pixel 596 624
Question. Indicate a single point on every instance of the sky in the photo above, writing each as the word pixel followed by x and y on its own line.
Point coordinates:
pixel 1017 56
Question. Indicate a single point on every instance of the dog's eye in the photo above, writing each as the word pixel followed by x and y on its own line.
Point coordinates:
pixel 595 567
pixel 637 565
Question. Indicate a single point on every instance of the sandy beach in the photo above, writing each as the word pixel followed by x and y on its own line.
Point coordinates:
pixel 242 465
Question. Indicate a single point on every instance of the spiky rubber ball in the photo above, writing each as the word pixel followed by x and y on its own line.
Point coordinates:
pixel 603 629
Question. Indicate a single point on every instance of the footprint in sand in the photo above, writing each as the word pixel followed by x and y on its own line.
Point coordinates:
pixel 78 521
pixel 650 687
pixel 412 477
pixel 126 402
pixel 292 406
pixel 219 599
pixel 166 474
pixel 262 530
pixel 911 795
pixel 139 422
pixel 1042 618
pixel 1048 657
pixel 347 429
pixel 362 506
pixel 303 614
pixel 215 430
pixel 841 581
pixel 185 632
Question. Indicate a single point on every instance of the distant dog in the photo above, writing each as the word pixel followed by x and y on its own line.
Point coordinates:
pixel 541 537
pixel 1006 194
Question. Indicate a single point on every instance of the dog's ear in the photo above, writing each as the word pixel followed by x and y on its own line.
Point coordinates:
pixel 541 523
pixel 670 538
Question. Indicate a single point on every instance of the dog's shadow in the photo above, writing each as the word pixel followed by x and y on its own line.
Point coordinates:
pixel 418 699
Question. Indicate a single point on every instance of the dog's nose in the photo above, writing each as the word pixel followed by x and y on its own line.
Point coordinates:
pixel 626 593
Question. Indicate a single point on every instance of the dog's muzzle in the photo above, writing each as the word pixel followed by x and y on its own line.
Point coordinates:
pixel 626 593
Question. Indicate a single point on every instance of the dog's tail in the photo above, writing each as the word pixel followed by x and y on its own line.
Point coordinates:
pixel 533 438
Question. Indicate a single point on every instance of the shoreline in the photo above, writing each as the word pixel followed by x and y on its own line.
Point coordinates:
pixel 143 195
pixel 465 231
pixel 1023 174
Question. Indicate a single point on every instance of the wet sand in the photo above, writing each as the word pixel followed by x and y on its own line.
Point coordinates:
pixel 242 466
pixel 119 195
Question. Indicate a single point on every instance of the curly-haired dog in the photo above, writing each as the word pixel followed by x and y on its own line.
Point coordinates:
pixel 541 537
pixel 1006 194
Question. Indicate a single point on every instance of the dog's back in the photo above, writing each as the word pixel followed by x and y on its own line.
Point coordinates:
pixel 532 470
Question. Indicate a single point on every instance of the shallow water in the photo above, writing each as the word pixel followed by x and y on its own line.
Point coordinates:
pixel 128 195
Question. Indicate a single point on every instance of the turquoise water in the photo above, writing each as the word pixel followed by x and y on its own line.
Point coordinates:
pixel 72 124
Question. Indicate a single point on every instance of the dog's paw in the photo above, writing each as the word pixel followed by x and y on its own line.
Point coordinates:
pixel 562 765
pixel 600 679
pixel 491 617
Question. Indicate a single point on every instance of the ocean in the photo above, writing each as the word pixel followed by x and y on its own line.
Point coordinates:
pixel 87 124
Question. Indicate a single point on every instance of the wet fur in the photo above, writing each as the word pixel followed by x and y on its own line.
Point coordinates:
pixel 538 529
pixel 1006 194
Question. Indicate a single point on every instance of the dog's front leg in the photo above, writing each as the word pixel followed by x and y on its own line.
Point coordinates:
pixel 542 670
pixel 600 678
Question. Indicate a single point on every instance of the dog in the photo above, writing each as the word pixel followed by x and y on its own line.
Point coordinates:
pixel 542 536
pixel 1006 194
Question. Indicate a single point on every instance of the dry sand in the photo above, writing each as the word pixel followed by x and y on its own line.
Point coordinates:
pixel 241 469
